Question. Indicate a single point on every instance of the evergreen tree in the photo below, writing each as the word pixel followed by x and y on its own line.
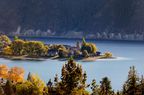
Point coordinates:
pixel 141 86
pixel 16 37
pixel 105 87
pixel 83 41
pixel 49 84
pixel 56 79
pixel 84 79
pixel 72 78
pixel 1 90
pixel 29 77
pixel 131 85
pixel 8 89
pixel 94 88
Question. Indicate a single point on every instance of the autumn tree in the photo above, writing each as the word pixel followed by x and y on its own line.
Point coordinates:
pixel 35 48
pixel 37 84
pixel 57 47
pixel 17 47
pixel 32 86
pixel 90 47
pixel 85 54
pixel 108 54
pixel 7 50
pixel 4 41
pixel 16 74
pixel 3 71
pixel 25 88
pixel 62 53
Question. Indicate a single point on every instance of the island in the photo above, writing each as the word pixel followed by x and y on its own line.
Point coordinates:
pixel 19 49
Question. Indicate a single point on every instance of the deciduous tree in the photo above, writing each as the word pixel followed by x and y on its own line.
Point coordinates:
pixel 35 48
pixel 16 74
pixel 17 47
pixel 7 50
pixel 38 85
pixel 3 71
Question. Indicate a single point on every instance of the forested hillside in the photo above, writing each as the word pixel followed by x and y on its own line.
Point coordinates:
pixel 73 15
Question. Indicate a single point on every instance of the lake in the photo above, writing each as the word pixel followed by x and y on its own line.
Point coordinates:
pixel 128 53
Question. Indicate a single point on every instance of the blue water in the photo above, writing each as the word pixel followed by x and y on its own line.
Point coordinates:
pixel 128 53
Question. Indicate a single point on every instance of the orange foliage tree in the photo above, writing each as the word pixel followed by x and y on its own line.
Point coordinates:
pixel 16 74
pixel 3 71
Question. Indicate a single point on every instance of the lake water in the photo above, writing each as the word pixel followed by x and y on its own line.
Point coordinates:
pixel 128 53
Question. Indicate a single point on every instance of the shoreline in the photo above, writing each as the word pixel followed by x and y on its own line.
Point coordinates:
pixel 92 59
pixel 88 59
pixel 57 37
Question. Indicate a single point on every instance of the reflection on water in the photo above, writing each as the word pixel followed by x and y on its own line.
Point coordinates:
pixel 115 59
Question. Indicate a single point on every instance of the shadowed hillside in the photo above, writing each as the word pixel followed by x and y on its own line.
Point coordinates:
pixel 73 15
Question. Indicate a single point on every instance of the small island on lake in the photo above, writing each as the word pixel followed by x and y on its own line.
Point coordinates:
pixel 19 49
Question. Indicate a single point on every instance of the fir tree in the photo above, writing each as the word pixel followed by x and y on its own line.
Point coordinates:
pixel 83 41
pixel 94 88
pixel 29 77
pixel 8 89
pixel 131 85
pixel 105 87
pixel 72 77
pixel 1 90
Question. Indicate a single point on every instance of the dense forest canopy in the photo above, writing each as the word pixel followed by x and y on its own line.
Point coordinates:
pixel 73 15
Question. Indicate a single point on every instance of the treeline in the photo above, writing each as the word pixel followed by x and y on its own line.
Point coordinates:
pixel 19 47
pixel 71 82
pixel 25 48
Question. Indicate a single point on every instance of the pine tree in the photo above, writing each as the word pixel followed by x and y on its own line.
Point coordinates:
pixel 131 85
pixel 94 87
pixel 29 77
pixel 105 87
pixel 84 79
pixel 72 78
pixel 1 90
pixel 141 86
pixel 83 41
pixel 56 79
pixel 8 89
pixel 49 84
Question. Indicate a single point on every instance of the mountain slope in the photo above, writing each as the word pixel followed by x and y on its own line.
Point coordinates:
pixel 73 15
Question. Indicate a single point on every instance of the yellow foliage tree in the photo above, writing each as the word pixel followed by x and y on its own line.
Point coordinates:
pixel 108 54
pixel 24 88
pixel 5 39
pixel 93 47
pixel 3 71
pixel 90 47
pixel 35 48
pixel 16 74
pixel 17 47
pixel 38 84
pixel 7 51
